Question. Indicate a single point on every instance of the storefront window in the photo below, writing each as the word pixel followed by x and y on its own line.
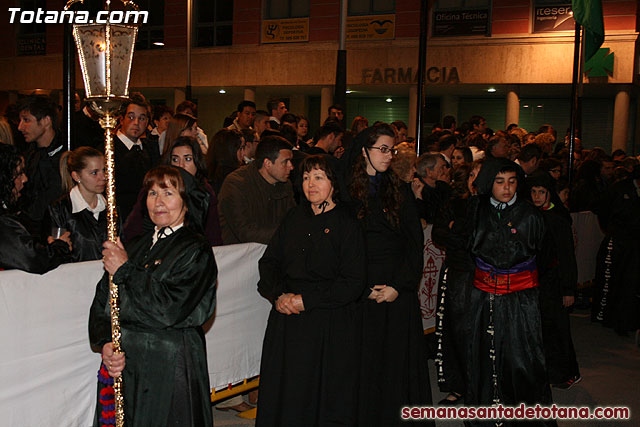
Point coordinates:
pixel 32 38
pixel 371 7
pixel 151 34
pixel 213 22
pixel 284 9
pixel 461 18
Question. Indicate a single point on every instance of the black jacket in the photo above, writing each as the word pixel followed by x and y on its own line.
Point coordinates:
pixel 130 169
pixel 20 250
pixel 44 185
pixel 87 232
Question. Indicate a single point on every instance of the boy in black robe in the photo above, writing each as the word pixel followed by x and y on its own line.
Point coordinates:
pixel 558 278
pixel 507 366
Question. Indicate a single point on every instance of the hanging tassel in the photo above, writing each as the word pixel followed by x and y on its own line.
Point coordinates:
pixel 492 353
pixel 440 314
pixel 605 286
pixel 106 398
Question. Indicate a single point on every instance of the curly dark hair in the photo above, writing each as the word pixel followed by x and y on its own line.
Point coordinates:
pixel 9 162
pixel 389 190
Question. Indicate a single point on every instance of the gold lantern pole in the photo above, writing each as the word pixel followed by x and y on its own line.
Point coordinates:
pixel 105 52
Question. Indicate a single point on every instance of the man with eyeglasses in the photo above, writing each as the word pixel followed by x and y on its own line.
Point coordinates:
pixel 133 157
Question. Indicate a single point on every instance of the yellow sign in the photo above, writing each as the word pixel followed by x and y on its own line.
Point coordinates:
pixel 285 30
pixel 371 27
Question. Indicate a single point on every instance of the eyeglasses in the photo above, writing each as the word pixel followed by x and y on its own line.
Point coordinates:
pixel 385 150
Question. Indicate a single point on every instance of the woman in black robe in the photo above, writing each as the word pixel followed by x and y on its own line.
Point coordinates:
pixel 558 276
pixel 313 273
pixel 18 248
pixel 82 210
pixel 166 280
pixel 393 366
pixel 506 363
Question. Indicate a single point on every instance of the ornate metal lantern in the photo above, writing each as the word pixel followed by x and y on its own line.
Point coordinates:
pixel 105 52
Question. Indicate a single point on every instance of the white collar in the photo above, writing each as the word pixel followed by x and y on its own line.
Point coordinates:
pixel 446 158
pixel 78 203
pixel 128 142
pixel 167 231
pixel 501 205
pixel 273 119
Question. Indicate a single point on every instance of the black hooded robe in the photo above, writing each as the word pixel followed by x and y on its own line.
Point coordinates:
pixel 167 292
pixel 617 299
pixel 506 363
pixel 309 365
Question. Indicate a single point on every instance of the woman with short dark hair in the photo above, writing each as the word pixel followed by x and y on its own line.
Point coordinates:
pixel 166 280
pixel 313 274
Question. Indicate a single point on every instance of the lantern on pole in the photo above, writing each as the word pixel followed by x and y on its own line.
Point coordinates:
pixel 105 52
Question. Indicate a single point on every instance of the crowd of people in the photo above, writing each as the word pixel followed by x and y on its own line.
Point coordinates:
pixel 343 214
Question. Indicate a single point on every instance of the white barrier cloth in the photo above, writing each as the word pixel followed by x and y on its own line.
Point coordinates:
pixel 47 369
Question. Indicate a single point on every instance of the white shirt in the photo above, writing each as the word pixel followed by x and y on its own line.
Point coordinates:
pixel 167 232
pixel 78 203
pixel 127 142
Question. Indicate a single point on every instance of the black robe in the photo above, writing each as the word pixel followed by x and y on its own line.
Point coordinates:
pixel 309 367
pixel 558 276
pixel 20 250
pixel 454 293
pixel 393 371
pixel 506 326
pixel 617 299
pixel 166 294
pixel 87 232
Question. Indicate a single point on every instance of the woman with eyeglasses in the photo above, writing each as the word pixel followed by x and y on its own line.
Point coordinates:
pixel 393 369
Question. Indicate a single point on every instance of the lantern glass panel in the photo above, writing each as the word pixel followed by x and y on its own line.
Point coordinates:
pixel 91 41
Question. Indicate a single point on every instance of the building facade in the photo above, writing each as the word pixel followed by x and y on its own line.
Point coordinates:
pixel 508 60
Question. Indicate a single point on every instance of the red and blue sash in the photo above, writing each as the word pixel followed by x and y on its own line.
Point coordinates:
pixel 499 281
